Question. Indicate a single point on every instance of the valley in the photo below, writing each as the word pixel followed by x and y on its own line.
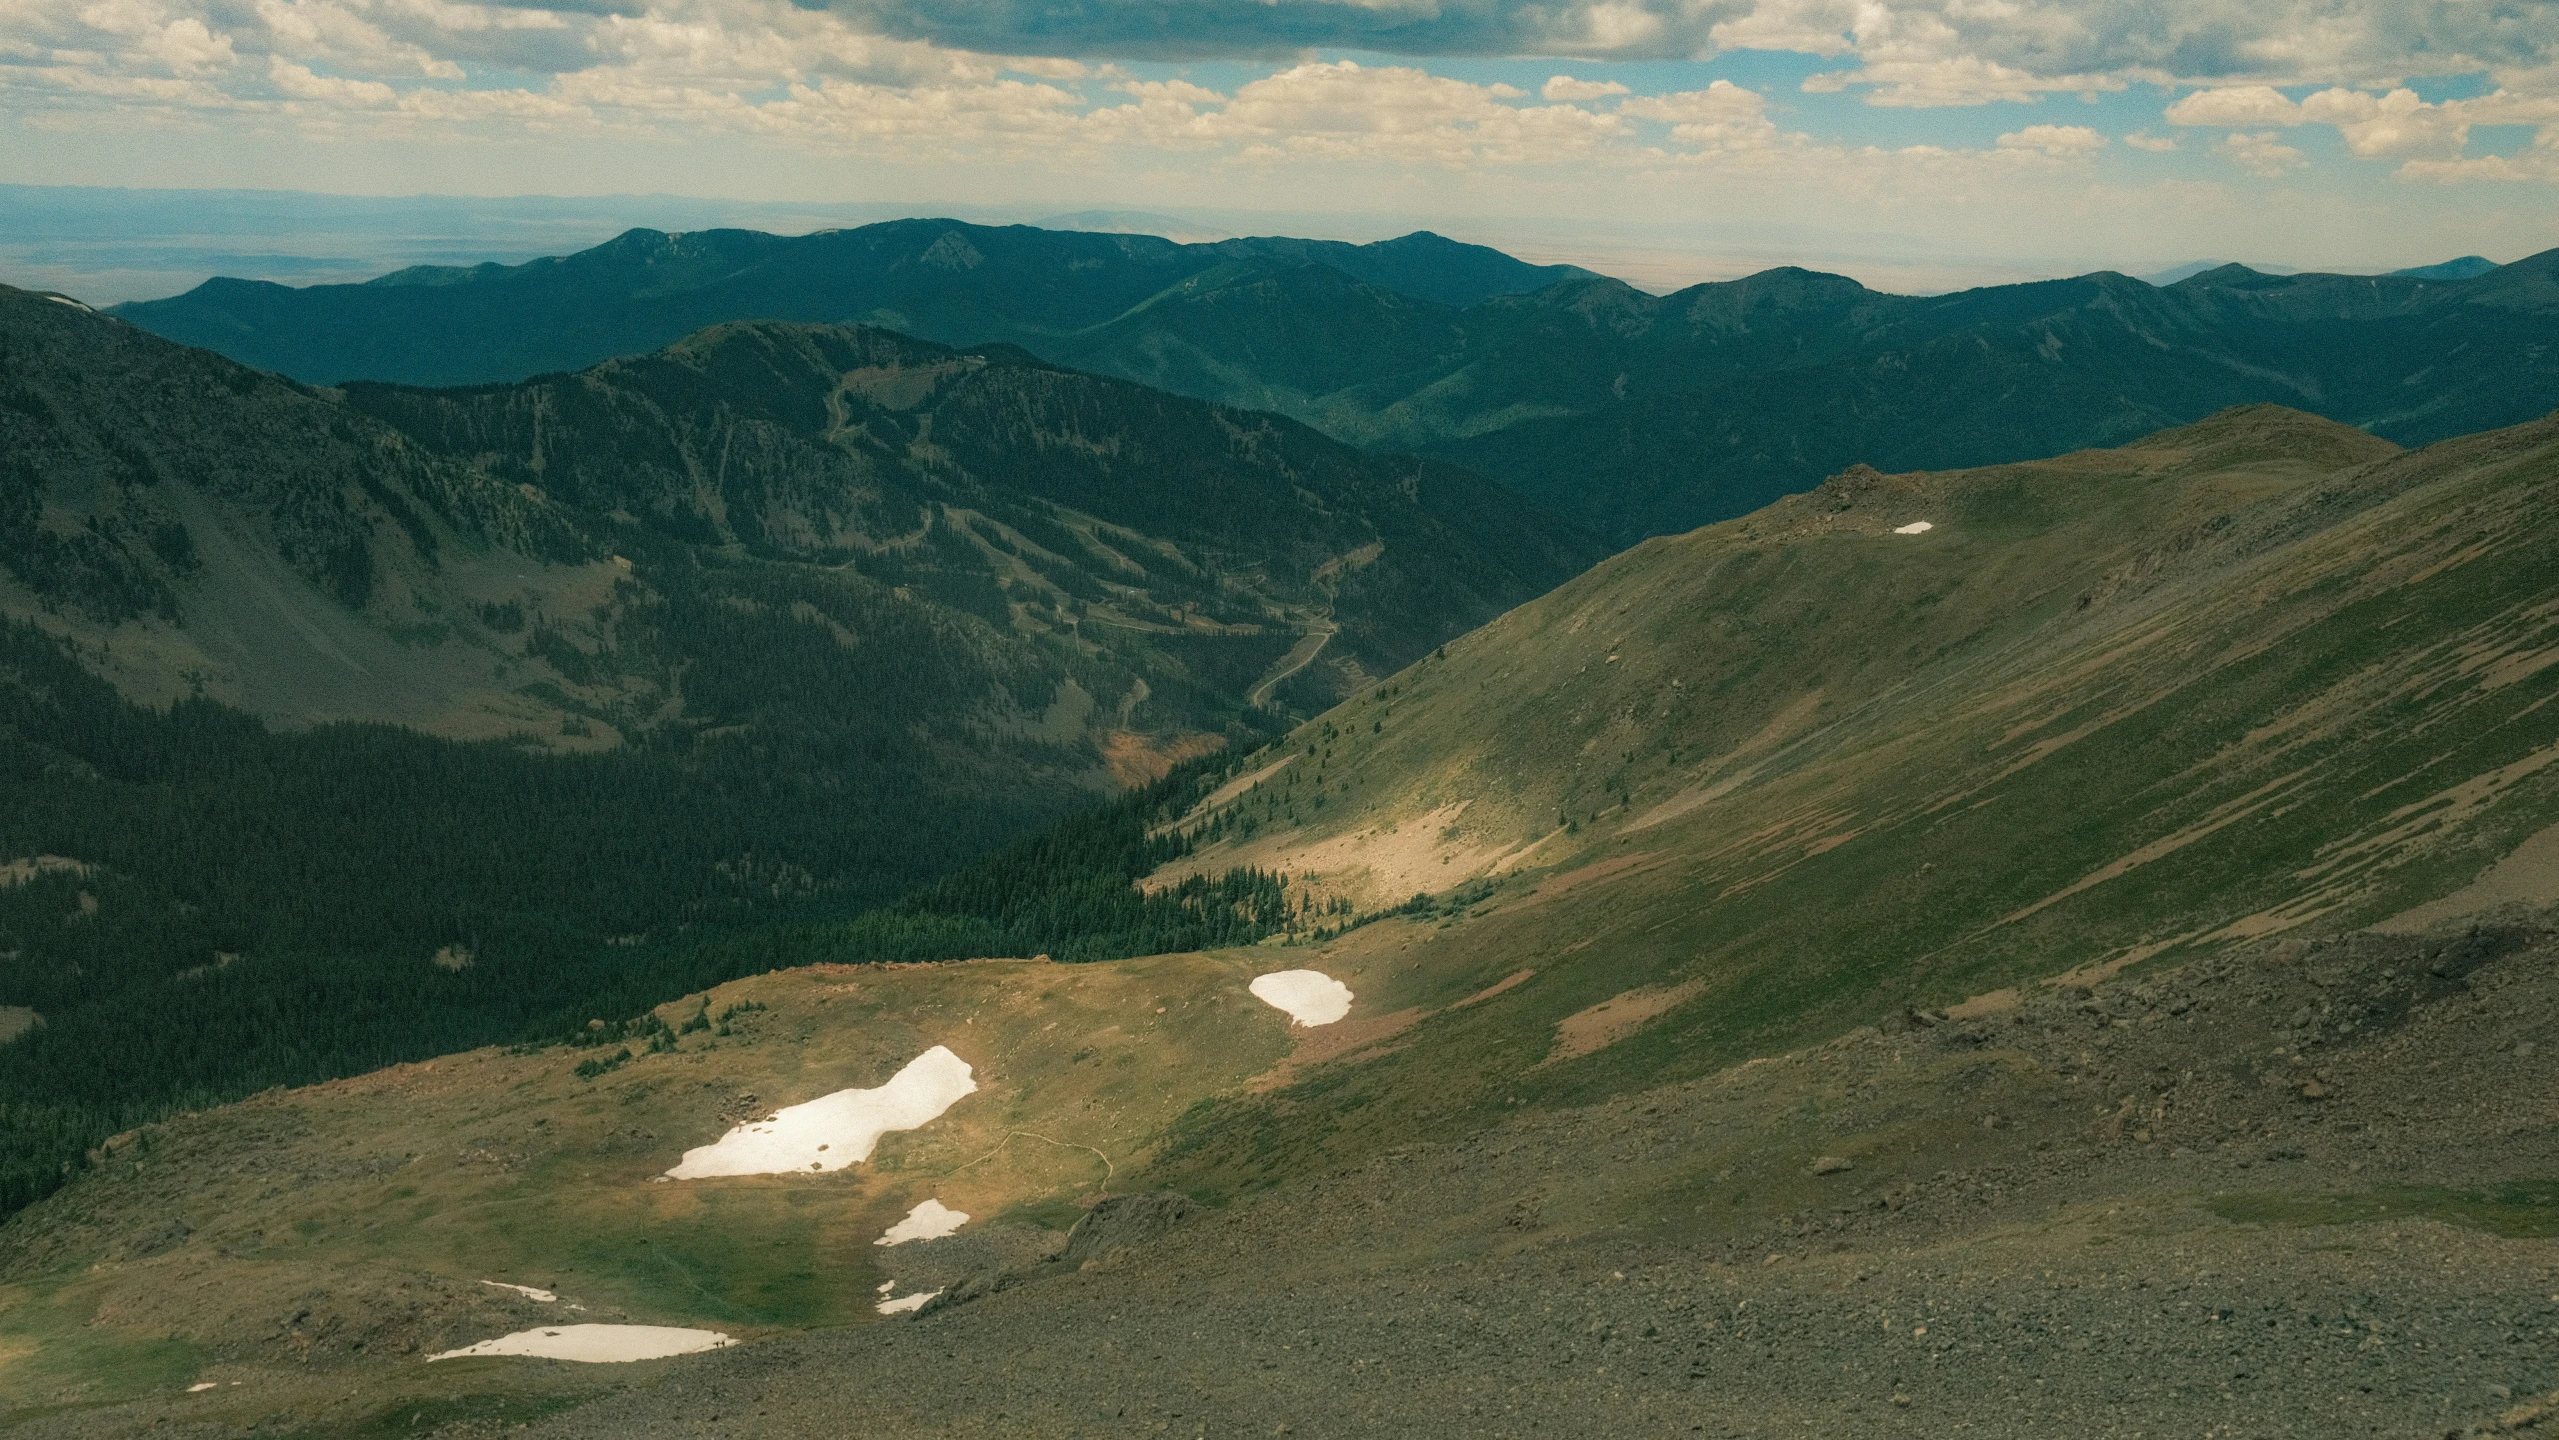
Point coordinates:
pixel 2079 967
pixel 568 679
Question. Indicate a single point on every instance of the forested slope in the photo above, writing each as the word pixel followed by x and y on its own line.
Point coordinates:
pixel 344 728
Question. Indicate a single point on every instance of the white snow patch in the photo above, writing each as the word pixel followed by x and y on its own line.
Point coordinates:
pixel 834 1131
pixel 203 1385
pixel 905 1303
pixel 1310 997
pixel 67 300
pixel 527 1291
pixel 885 1287
pixel 1915 527
pixel 929 1221
pixel 596 1344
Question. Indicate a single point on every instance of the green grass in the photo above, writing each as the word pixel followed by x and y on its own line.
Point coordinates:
pixel 2279 683
pixel 55 1354
pixel 2516 1210
pixel 411 1416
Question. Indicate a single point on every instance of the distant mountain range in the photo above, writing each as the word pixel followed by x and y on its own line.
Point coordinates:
pixel 1632 414
pixel 2468 267
pixel 2193 268
pixel 936 279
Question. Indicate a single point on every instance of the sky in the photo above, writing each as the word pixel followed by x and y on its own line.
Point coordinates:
pixel 1917 144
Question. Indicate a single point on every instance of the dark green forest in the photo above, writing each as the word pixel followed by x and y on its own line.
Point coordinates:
pixel 252 908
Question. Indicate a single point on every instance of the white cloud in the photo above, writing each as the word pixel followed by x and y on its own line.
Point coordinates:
pixel 2234 105
pixel 2394 125
pixel 1723 117
pixel 1806 27
pixel 2538 162
pixel 1613 27
pixel 1565 87
pixel 1349 111
pixel 1954 80
pixel 819 76
pixel 2055 140
pixel 2259 154
pixel 296 82
pixel 188 47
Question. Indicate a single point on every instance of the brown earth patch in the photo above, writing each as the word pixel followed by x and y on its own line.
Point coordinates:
pixel 19 872
pixel 1611 1020
pixel 1332 1042
pixel 1616 869
pixel 2097 971
pixel 2529 875
pixel 1135 759
pixel 1993 1003
pixel 1516 977
pixel 1382 865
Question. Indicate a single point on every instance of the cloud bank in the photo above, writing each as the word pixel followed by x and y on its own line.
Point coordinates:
pixel 1889 103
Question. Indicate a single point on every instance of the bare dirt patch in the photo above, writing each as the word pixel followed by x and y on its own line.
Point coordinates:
pixel 1135 759
pixel 1516 977
pixel 2527 876
pixel 1614 869
pixel 19 872
pixel 1613 1019
pixel 17 1020
pixel 1379 866
pixel 1332 1042
pixel 1995 1002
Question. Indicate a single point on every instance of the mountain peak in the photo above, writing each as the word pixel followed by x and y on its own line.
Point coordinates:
pixel 2467 267
pixel 2233 273
pixel 2244 434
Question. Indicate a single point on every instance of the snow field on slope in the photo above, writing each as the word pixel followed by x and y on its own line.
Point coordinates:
pixel 834 1131
pixel 929 1221
pixel 1310 997
pixel 527 1291
pixel 595 1344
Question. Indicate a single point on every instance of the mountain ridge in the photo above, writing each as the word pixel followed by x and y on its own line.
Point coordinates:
pixel 1630 414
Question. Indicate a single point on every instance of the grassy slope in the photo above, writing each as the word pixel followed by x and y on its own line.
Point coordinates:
pixel 2253 675
pixel 2121 706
